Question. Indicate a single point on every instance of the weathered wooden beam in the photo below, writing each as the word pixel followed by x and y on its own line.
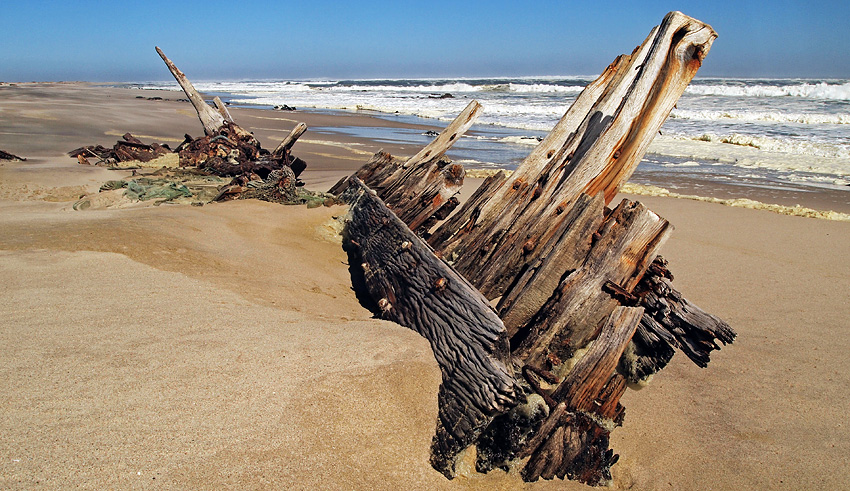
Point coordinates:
pixel 416 289
pixel 599 148
pixel 290 139
pixel 222 109
pixel 622 250
pixel 578 446
pixel 420 188
pixel 537 282
pixel 211 120
pixel 450 134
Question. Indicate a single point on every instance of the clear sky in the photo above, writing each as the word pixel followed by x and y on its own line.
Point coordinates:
pixel 213 39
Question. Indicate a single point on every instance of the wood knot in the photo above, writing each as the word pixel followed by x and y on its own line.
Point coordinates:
pixel 440 284
pixel 549 154
pixel 384 305
pixel 617 154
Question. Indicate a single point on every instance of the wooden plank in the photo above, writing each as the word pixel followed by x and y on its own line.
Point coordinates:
pixel 622 251
pixel 577 446
pixel 420 188
pixel 416 289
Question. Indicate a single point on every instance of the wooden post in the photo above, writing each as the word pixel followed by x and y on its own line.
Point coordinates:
pixel 289 141
pixel 222 109
pixel 211 120
pixel 437 148
pixel 587 304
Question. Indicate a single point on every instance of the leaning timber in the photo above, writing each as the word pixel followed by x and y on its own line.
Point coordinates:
pixel 585 304
pixel 421 188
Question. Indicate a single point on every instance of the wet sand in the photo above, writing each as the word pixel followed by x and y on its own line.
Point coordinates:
pixel 221 346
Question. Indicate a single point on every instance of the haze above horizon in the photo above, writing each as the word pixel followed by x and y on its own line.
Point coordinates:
pixel 87 40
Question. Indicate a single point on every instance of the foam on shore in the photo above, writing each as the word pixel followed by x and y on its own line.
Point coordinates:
pixel 800 211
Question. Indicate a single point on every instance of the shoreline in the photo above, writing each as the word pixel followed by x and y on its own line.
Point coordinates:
pixel 757 180
pixel 222 346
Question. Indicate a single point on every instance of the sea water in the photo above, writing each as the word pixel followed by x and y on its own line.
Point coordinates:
pixel 768 134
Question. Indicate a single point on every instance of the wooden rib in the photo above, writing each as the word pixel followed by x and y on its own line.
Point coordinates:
pixel 222 109
pixel 211 120
pixel 447 137
pixel 290 139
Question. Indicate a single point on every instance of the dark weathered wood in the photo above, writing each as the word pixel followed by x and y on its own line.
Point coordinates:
pixel 416 289
pixel 694 331
pixel 580 392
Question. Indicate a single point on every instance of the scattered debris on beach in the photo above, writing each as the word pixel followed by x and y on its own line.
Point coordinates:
pixel 226 151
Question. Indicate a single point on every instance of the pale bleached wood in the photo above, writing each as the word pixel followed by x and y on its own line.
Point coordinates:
pixel 287 143
pixel 502 202
pixel 211 120
pixel 438 147
pixel 596 157
pixel 535 285
pixel 222 109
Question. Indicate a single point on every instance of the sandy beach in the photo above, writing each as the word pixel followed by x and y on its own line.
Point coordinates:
pixel 222 347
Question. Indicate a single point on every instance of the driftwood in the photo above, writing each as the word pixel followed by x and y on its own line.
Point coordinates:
pixel 586 303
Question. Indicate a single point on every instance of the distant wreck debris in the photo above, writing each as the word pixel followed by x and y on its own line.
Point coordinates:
pixel 585 304
pixel 4 155
pixel 226 150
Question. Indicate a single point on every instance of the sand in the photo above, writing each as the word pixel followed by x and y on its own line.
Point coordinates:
pixel 179 347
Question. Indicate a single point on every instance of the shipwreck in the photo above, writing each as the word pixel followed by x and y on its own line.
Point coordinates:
pixel 541 297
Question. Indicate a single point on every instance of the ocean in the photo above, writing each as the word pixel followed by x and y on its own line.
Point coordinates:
pixel 780 140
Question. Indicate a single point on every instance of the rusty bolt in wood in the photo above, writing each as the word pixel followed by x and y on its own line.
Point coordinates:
pixel 440 284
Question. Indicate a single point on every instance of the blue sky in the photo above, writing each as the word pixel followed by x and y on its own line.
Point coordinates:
pixel 114 41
